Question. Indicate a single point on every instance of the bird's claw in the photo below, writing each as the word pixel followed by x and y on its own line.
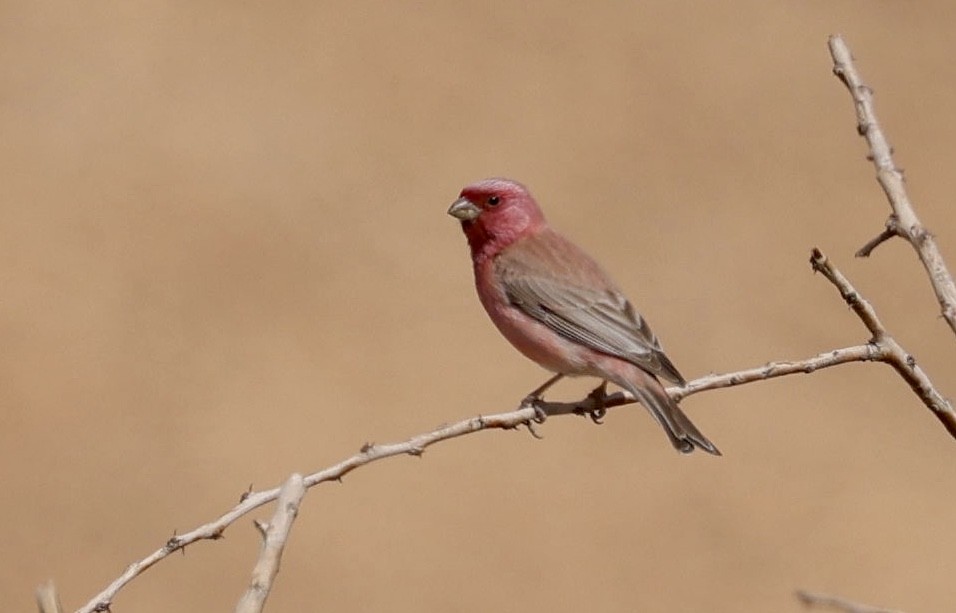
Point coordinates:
pixel 534 402
pixel 540 415
pixel 532 429
pixel 595 408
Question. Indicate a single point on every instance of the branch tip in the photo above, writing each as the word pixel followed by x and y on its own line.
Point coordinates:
pixel 893 182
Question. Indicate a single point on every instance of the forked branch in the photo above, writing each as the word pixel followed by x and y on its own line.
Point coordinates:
pixel 903 221
pixel 274 537
pixel 881 348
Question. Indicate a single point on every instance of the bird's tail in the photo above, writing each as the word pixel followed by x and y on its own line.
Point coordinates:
pixel 682 432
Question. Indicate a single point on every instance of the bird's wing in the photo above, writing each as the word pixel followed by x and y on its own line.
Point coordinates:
pixel 580 303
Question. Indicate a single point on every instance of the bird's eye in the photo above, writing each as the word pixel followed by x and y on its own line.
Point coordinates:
pixel 494 201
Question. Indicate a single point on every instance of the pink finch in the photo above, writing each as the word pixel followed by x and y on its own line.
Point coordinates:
pixel 559 308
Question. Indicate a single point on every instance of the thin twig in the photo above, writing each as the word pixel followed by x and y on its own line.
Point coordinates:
pixel 857 353
pixel 813 599
pixel 882 348
pixel 274 536
pixel 250 501
pixel 892 229
pixel 889 350
pixel 903 221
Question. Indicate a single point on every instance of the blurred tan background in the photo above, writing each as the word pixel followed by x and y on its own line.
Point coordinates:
pixel 225 257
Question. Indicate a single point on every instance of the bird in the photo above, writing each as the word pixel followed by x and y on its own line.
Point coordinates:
pixel 556 305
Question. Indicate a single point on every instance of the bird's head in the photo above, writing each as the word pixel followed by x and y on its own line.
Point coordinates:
pixel 494 213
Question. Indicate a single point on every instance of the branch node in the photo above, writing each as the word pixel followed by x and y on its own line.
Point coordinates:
pixel 174 543
pixel 245 495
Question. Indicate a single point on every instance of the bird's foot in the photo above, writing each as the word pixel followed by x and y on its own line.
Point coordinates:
pixel 532 401
pixel 594 407
pixel 540 415
pixel 535 400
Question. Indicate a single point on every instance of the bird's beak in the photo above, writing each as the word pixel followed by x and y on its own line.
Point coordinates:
pixel 464 209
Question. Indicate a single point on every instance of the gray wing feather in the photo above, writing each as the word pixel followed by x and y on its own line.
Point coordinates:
pixel 603 320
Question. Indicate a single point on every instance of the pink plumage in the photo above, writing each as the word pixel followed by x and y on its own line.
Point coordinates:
pixel 558 307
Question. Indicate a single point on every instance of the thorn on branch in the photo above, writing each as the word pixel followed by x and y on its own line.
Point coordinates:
pixel 174 543
pixel 841 74
pixel 367 447
pixel 416 451
pixel 920 234
pixel 245 495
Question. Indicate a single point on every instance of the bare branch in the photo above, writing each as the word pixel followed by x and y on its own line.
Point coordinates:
pixel 882 348
pixel 816 600
pixel 274 536
pixel 903 222
pixel 858 353
pixel 250 501
pixel 889 350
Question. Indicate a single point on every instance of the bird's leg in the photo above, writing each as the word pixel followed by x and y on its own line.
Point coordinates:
pixel 596 409
pixel 533 399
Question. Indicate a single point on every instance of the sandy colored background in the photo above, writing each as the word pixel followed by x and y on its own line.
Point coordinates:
pixel 224 256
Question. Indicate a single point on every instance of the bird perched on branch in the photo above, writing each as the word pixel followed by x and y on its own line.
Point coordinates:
pixel 558 307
